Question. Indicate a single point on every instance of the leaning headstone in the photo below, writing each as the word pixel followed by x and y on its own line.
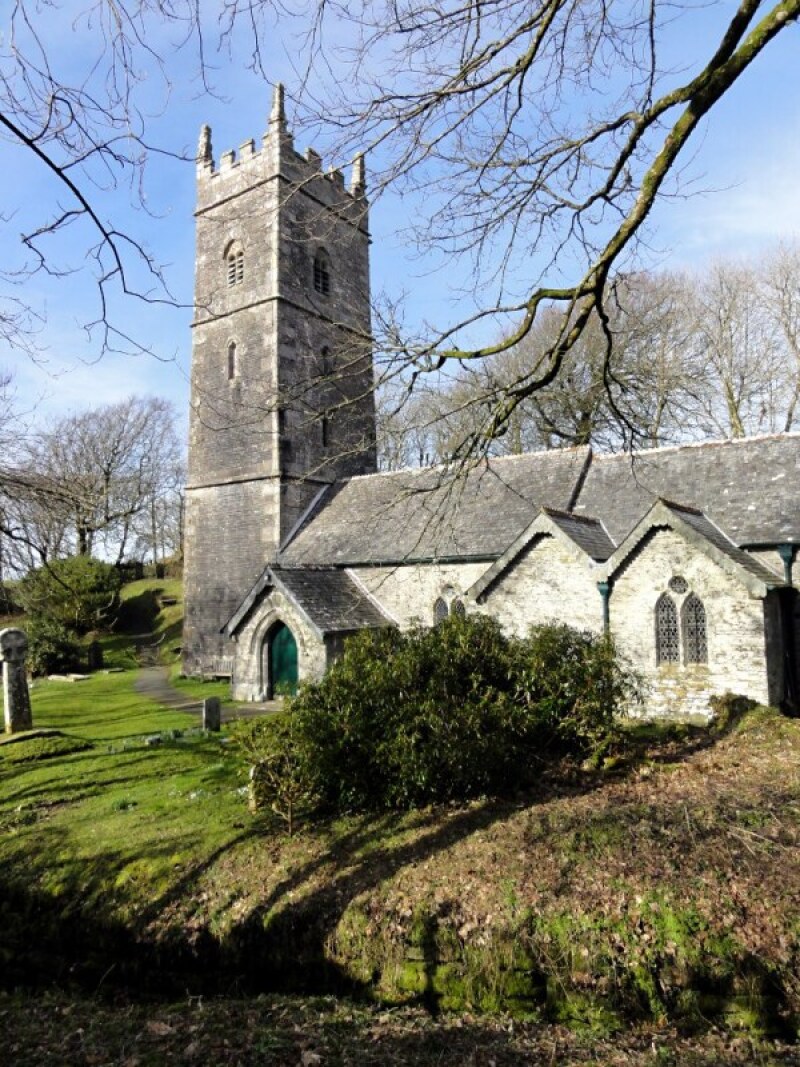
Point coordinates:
pixel 13 649
pixel 94 656
pixel 211 713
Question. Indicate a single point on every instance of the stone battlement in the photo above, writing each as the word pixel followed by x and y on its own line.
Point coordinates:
pixel 277 157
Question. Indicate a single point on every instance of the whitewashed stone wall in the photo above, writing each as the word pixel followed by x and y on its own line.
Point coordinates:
pixel 550 582
pixel 768 557
pixel 408 592
pixel 249 681
pixel 737 629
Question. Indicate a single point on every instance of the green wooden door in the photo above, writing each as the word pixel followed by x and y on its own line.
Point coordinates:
pixel 282 661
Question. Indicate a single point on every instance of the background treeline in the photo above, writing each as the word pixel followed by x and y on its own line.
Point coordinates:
pixel 682 356
pixel 106 483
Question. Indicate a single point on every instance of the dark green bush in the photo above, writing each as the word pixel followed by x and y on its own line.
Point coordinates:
pixel 80 592
pixel 52 647
pixel 575 682
pixel 404 719
pixel 279 777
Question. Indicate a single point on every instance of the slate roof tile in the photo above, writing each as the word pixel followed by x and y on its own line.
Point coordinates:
pixel 331 599
pixel 428 514
pixel 750 487
pixel 587 533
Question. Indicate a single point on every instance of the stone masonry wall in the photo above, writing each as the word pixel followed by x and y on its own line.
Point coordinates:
pixel 230 531
pixel 408 592
pixel 550 582
pixel 737 641
pixel 282 388
pixel 249 681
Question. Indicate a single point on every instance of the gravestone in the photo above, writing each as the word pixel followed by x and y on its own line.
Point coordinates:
pixel 211 713
pixel 94 656
pixel 13 649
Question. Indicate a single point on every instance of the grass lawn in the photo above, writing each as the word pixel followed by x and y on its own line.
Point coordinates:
pixel 116 822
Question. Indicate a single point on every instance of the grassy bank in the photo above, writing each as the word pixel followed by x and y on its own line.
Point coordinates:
pixel 666 887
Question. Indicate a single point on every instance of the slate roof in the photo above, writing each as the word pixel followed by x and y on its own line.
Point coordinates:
pixel 587 533
pixel 750 488
pixel 697 527
pixel 702 525
pixel 418 515
pixel 330 599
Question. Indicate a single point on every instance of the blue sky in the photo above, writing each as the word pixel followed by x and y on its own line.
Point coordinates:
pixel 747 159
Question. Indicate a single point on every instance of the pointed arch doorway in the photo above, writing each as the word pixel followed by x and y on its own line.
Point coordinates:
pixel 279 654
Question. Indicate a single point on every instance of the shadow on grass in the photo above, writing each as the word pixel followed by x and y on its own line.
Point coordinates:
pixel 282 944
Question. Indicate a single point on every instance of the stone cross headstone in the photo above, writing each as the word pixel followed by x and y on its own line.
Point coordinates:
pixel 211 713
pixel 13 649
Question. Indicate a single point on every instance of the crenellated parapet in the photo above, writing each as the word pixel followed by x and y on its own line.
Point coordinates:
pixel 277 160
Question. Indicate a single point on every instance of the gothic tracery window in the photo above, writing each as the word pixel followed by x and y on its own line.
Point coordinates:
pixel 667 639
pixel 440 611
pixel 693 625
pixel 457 608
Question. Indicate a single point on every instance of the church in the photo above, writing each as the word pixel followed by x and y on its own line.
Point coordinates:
pixel 294 540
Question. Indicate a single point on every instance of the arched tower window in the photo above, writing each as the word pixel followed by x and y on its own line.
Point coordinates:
pixel 327 363
pixel 440 611
pixel 232 364
pixel 667 641
pixel 322 272
pixel 234 260
pixel 693 625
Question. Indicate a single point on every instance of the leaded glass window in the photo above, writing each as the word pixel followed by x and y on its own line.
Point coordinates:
pixel 667 640
pixel 440 611
pixel 457 608
pixel 695 641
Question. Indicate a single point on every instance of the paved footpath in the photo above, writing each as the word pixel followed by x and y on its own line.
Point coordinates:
pixel 153 682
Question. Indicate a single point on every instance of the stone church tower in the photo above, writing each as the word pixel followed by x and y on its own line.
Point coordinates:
pixel 282 384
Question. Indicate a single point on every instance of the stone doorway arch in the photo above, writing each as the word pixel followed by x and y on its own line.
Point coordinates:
pixel 279 661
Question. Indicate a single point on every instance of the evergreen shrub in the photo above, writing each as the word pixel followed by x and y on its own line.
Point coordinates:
pixel 52 647
pixel 453 712
pixel 80 592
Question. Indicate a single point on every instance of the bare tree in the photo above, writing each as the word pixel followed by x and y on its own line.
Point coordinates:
pixel 739 356
pixel 540 136
pixel 780 284
pixel 89 479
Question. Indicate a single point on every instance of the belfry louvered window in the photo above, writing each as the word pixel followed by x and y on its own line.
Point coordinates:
pixel 440 611
pixel 693 623
pixel 667 639
pixel 322 273
pixel 235 264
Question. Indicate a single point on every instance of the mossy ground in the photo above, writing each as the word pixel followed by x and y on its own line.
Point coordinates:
pixel 284 1031
pixel 666 888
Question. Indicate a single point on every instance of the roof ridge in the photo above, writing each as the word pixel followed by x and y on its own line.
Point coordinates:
pixel 713 442
pixel 561 514
pixel 690 509
pixel 467 467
